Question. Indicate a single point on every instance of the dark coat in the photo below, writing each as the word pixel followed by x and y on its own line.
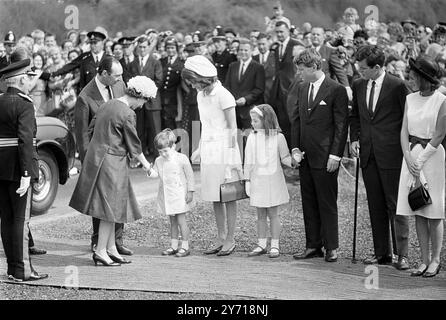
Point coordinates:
pixel 270 70
pixel 17 121
pixel 87 104
pixel 379 132
pixel 171 81
pixel 322 130
pixel 222 62
pixel 251 86
pixel 103 189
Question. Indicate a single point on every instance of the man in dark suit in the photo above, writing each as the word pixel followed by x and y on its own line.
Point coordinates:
pixel 19 163
pixel 319 128
pixel 128 56
pixel 285 72
pixel 148 118
pixel 375 125
pixel 106 85
pixel 266 59
pixel 222 58
pixel 88 62
pixel 170 90
pixel 246 81
pixel 331 64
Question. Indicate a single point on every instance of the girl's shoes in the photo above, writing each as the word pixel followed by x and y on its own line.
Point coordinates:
pixel 257 251
pixel 274 252
pixel 182 253
pixel 169 252
pixel 418 272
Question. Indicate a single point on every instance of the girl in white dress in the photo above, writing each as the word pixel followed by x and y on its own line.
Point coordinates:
pixel 424 127
pixel 218 148
pixel 176 188
pixel 266 149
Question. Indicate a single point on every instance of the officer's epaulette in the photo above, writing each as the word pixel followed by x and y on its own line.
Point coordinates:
pixel 24 96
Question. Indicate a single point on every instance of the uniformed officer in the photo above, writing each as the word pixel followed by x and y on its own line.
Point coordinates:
pixel 222 57
pixel 128 47
pixel 18 160
pixel 171 86
pixel 88 62
pixel 10 45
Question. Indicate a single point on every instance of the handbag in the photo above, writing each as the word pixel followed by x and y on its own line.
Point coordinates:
pixel 232 191
pixel 419 197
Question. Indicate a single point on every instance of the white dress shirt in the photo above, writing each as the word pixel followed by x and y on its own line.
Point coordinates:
pixel 263 57
pixel 284 44
pixel 102 89
pixel 144 60
pixel 245 65
pixel 378 86
pixel 98 57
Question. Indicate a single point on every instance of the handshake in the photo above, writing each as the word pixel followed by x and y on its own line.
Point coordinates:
pixel 297 156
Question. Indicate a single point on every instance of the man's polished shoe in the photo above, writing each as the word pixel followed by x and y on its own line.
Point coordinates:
pixel 36 251
pixel 402 263
pixel 378 260
pixel 309 253
pixel 119 260
pixel 213 250
pixel 124 250
pixel 331 256
pixel 36 276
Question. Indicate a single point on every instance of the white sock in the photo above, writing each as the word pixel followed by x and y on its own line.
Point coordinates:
pixel 185 245
pixel 174 244
pixel 275 243
pixel 262 243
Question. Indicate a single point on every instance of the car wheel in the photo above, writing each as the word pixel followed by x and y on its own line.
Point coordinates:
pixel 45 190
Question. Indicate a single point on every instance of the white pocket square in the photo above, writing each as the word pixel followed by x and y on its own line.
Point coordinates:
pixel 323 103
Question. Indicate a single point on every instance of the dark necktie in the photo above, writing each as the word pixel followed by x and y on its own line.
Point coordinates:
pixel 241 70
pixel 310 98
pixel 110 93
pixel 371 97
pixel 97 61
pixel 281 51
pixel 141 63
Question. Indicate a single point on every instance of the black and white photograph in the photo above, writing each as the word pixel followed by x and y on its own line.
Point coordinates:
pixel 223 155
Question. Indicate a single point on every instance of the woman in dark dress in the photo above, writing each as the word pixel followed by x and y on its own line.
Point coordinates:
pixel 104 190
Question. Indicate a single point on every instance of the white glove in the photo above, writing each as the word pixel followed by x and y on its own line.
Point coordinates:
pixel 298 156
pixel 195 157
pixel 24 185
pixel 424 155
pixel 412 180
pixel 248 188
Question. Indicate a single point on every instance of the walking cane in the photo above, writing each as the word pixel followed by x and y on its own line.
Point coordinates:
pixel 356 210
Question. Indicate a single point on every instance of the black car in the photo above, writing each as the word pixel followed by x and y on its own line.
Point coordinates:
pixel 56 149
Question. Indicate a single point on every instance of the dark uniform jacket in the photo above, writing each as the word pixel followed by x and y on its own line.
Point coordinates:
pixel 125 70
pixel 222 62
pixel 17 121
pixel 87 67
pixel 332 66
pixel 171 80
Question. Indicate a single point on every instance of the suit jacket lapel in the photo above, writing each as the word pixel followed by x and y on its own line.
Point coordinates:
pixel 248 68
pixel 383 93
pixel 362 96
pixel 305 97
pixel 323 91
pixel 96 95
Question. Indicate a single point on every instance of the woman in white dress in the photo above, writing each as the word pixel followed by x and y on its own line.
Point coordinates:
pixel 218 148
pixel 424 127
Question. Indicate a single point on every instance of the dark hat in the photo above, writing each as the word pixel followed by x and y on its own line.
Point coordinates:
pixel 98 34
pixel 17 68
pixel 220 35
pixel 199 35
pixel 230 30
pixel 171 41
pixel 190 47
pixel 126 41
pixel 10 38
pixel 426 67
pixel 410 21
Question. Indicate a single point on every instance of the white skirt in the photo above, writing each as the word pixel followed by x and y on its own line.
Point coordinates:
pixel 434 172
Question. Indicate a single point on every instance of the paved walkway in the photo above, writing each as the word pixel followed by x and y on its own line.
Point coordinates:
pixel 237 275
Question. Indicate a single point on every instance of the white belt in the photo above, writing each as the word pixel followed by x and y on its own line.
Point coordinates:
pixel 12 142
